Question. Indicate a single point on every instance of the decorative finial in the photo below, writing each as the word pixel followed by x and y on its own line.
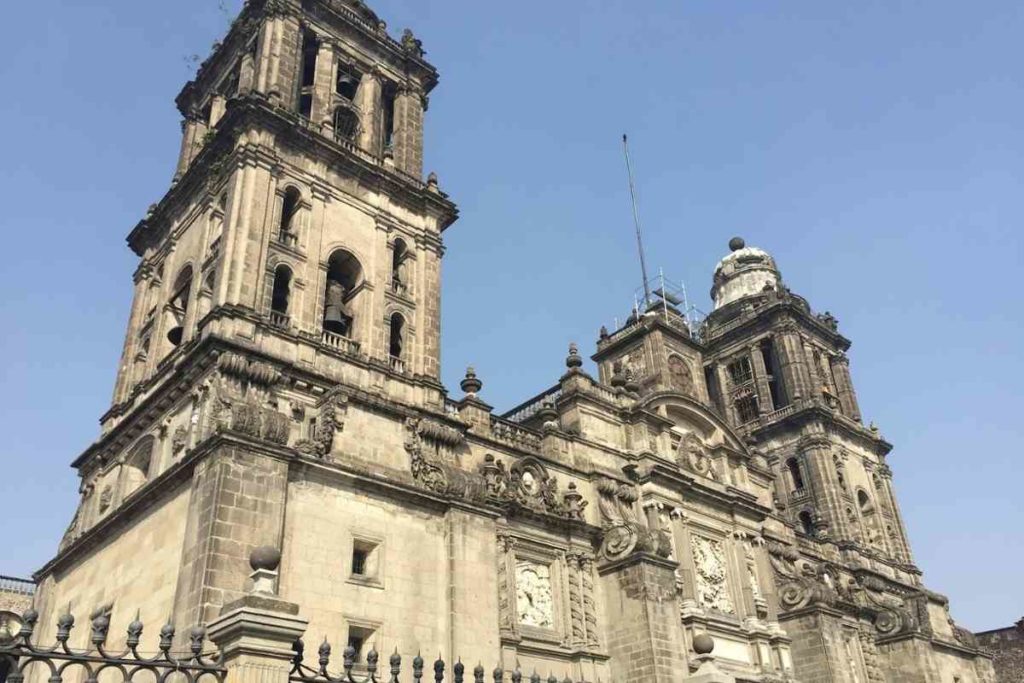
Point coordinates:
pixel 703 644
pixel 603 334
pixel 573 360
pixel 471 384
pixel 265 557
pixel 264 561
pixel 432 181
pixel 736 243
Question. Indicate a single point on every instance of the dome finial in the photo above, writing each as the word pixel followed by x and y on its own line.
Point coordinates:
pixel 736 243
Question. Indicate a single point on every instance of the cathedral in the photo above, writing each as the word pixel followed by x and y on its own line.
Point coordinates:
pixel 710 487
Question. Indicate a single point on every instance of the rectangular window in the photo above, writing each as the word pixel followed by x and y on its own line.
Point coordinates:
pixel 359 557
pixel 365 563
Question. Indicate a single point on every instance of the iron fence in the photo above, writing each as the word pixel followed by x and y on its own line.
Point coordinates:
pixel 18 655
pixel 301 673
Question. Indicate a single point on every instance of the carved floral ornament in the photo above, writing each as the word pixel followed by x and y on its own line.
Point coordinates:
pixel 803 583
pixel 526 485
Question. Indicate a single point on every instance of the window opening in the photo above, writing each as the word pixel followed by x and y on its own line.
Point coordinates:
pixel 346 123
pixel 795 473
pixel 344 275
pixel 740 371
pixel 397 333
pixel 346 84
pixel 282 290
pixel 806 523
pixel 289 210
pixel 179 306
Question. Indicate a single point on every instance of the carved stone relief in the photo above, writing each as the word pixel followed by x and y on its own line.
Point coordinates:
pixel 534 599
pixel 693 456
pixel 711 574
pixel 623 533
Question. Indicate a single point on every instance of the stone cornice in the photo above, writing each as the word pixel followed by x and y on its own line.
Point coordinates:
pixel 782 314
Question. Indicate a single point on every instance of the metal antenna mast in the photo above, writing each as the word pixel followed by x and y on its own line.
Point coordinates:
pixel 636 221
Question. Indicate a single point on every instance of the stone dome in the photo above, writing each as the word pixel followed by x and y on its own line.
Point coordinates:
pixel 746 271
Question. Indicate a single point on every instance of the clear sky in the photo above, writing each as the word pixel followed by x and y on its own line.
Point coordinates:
pixel 874 148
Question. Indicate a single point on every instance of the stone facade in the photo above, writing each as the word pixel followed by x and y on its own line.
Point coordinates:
pixel 15 598
pixel 1007 647
pixel 279 386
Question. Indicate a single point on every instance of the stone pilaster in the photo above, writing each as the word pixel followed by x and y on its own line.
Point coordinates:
pixel 409 131
pixel 844 387
pixel 193 132
pixel 645 637
pixel 368 99
pixel 237 504
pixel 791 363
pixel 764 392
pixel 125 378
pixel 323 88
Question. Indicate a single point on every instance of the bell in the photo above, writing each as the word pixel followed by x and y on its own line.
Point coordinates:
pixel 337 317
pixel 175 334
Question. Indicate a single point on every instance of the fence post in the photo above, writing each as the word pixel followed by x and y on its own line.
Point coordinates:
pixel 255 634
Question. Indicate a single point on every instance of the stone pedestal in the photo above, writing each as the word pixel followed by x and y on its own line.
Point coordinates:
pixel 255 634
pixel 644 634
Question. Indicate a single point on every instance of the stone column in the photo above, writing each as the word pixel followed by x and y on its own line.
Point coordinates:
pixel 323 89
pixel 368 99
pixel 131 339
pixel 817 456
pixel 281 44
pixel 218 105
pixel 886 474
pixel 247 74
pixel 409 107
pixel 765 404
pixel 193 133
pixel 793 362
pixel 844 386
pixel 725 388
pixel 256 633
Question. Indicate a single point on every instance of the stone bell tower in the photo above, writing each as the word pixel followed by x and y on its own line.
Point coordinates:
pixel 297 222
pixel 293 264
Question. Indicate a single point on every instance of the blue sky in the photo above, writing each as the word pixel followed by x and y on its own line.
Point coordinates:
pixel 873 147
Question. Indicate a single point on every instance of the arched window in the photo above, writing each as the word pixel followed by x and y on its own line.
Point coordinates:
pixel 288 228
pixel 178 305
pixel 344 276
pixel 795 474
pixel 864 501
pixel 399 255
pixel 137 466
pixel 346 123
pixel 397 336
pixel 806 520
pixel 282 290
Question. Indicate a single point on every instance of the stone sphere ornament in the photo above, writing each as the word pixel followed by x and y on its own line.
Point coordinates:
pixel 703 644
pixel 265 557
pixel 736 243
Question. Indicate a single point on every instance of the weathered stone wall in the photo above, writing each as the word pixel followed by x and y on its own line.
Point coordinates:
pixel 133 568
pixel 1007 647
pixel 429 585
